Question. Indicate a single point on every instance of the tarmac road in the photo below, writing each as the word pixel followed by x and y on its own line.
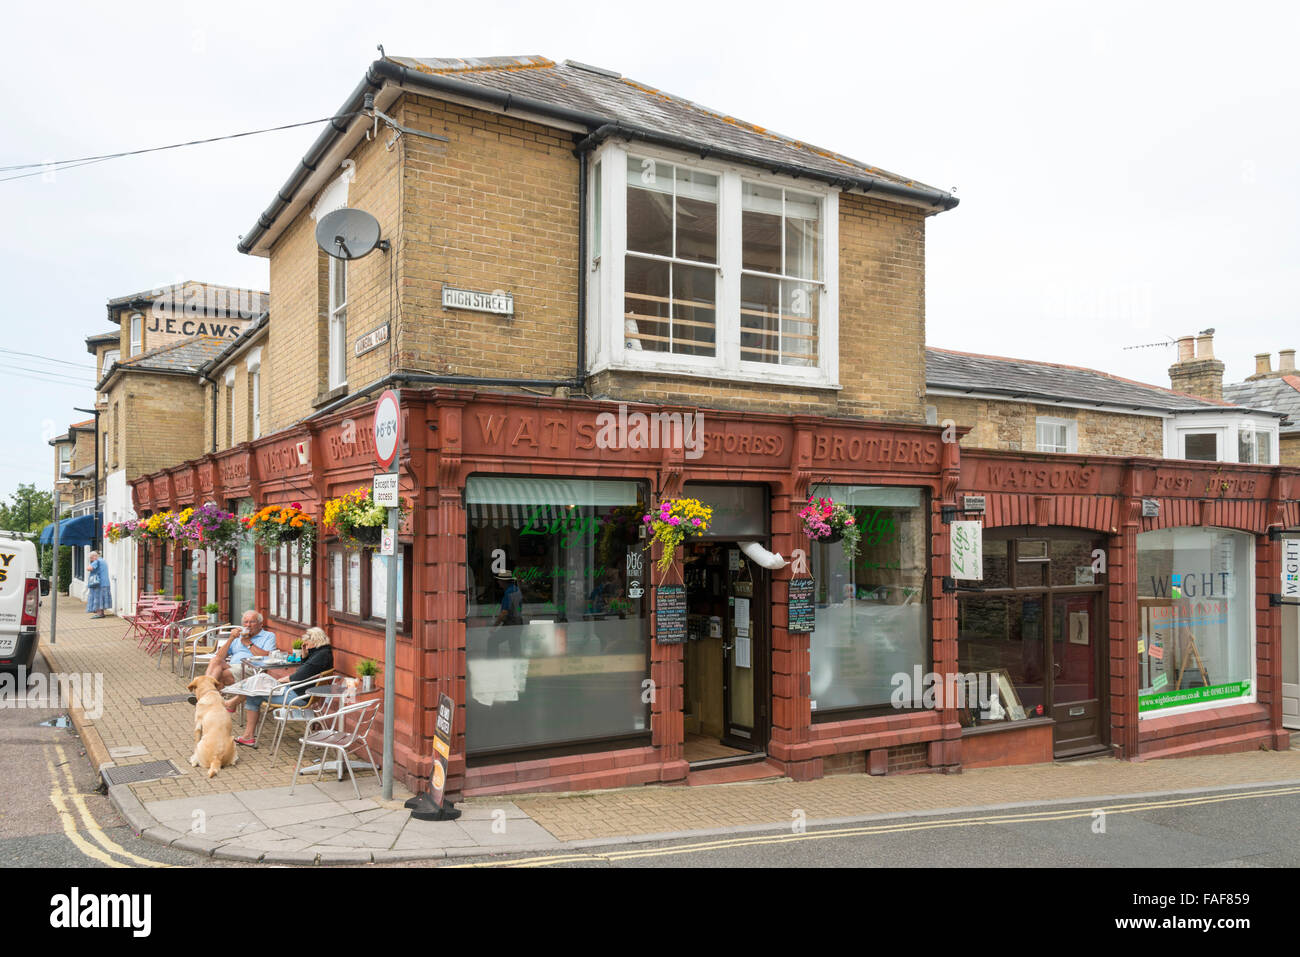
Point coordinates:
pixel 1241 827
pixel 50 812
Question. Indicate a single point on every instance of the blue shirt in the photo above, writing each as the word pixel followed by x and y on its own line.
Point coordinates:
pixel 264 640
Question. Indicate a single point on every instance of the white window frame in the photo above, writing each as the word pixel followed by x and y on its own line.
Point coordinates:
pixel 137 333
pixel 110 356
pixel 1221 438
pixel 606 345
pixel 338 327
pixel 254 364
pixel 1071 434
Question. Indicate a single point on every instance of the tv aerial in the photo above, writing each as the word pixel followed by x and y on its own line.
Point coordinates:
pixel 349 234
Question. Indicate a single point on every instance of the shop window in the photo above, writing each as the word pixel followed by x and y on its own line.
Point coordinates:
pixel 243 572
pixel 358 585
pixel 873 619
pixel 558 621
pixel 289 582
pixel 1196 602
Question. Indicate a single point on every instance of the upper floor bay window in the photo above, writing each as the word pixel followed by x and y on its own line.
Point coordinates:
pixel 711 270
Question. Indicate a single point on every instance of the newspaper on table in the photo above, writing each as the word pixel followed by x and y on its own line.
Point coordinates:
pixel 256 685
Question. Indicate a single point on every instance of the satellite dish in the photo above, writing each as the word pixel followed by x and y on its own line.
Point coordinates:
pixel 348 233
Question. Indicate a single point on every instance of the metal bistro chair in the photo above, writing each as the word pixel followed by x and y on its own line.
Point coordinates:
pixel 162 614
pixel 298 706
pixel 172 636
pixel 143 612
pixel 331 733
pixel 213 635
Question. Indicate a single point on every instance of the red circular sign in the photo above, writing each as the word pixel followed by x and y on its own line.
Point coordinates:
pixel 388 428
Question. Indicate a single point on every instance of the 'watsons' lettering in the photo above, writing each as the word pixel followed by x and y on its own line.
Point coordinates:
pixel 1040 477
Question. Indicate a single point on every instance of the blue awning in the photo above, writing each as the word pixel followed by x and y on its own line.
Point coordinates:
pixel 72 531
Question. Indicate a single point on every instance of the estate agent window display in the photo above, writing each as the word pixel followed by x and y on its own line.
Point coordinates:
pixel 558 631
pixel 1196 599
pixel 872 617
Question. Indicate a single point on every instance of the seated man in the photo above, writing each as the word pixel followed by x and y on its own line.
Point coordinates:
pixel 320 657
pixel 227 665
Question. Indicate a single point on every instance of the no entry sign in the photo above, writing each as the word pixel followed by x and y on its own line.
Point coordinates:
pixel 388 428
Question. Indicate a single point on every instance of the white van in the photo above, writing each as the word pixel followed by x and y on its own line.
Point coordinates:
pixel 20 603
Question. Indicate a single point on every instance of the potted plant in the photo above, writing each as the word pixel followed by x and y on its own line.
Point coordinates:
pixel 673 521
pixel 212 609
pixel 297 651
pixel 356 519
pixel 367 668
pixel 825 520
pixel 276 525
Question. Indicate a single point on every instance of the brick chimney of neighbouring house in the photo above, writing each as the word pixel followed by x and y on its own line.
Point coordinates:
pixel 1263 365
pixel 1197 371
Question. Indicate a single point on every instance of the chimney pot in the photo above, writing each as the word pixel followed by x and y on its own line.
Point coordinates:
pixel 1186 348
pixel 1263 362
pixel 1205 346
pixel 1286 360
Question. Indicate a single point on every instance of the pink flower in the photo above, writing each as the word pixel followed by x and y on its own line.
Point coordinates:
pixel 849 520
pixel 674 520
pixel 695 521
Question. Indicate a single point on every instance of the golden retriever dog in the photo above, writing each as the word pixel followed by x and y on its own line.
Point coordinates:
pixel 214 741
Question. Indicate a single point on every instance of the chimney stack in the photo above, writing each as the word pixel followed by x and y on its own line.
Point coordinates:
pixel 1262 363
pixel 1198 372
pixel 1286 362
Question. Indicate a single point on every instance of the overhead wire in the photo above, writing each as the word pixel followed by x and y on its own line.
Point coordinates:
pixel 40 169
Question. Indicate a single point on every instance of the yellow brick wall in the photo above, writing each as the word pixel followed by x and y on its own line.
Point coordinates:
pixel 1289 450
pixel 162 422
pixel 497 207
pixel 1011 425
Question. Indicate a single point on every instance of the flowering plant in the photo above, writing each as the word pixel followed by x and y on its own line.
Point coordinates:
pixel 274 525
pixel 826 520
pixel 209 527
pixel 356 518
pixel 673 521
pixel 116 531
pixel 157 526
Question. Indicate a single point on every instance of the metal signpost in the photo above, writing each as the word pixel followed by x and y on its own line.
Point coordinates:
pixel 388 439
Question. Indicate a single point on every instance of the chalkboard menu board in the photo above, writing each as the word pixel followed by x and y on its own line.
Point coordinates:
pixel 670 612
pixel 803 604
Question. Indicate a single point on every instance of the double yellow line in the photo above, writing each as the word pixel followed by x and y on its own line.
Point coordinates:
pixel 1030 817
pixel 61 798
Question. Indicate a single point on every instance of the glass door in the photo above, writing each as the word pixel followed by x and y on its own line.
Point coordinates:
pixel 744 651
pixel 1290 666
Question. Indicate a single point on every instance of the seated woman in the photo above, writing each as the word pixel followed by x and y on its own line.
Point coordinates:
pixel 320 657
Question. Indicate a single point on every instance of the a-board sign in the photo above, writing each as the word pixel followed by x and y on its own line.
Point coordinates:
pixel 670 614
pixel 803 605
pixel 441 749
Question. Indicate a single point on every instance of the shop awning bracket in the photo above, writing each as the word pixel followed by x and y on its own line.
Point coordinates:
pixel 948 513
pixel 950 586
pixel 1275 600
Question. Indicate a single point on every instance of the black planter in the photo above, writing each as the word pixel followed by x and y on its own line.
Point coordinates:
pixel 833 538
pixel 290 534
pixel 368 534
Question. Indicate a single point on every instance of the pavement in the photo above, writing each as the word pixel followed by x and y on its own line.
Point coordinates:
pixel 247 814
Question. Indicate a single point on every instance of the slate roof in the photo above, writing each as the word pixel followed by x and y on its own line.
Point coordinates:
pixel 180 295
pixel 1280 394
pixel 965 371
pixel 188 355
pixel 605 93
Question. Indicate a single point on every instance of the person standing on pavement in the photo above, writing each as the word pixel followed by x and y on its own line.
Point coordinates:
pixel 99 595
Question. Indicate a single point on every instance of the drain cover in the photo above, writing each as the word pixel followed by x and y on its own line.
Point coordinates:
pixel 62 721
pixel 165 699
pixel 136 773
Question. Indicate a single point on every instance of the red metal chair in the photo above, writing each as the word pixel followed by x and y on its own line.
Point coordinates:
pixel 143 610
pixel 154 630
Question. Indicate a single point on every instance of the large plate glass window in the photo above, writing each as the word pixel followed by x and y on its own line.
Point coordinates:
pixel 780 286
pixel 872 619
pixel 671 272
pixel 556 590
pixel 1196 607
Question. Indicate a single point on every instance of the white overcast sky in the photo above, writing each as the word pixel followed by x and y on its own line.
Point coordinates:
pixel 1127 172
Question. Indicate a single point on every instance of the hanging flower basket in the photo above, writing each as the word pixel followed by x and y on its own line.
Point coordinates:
pixel 157 527
pixel 673 522
pixel 356 519
pixel 825 520
pixel 210 527
pixel 276 525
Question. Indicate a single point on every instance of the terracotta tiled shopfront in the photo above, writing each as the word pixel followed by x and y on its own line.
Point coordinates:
pixel 570 684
